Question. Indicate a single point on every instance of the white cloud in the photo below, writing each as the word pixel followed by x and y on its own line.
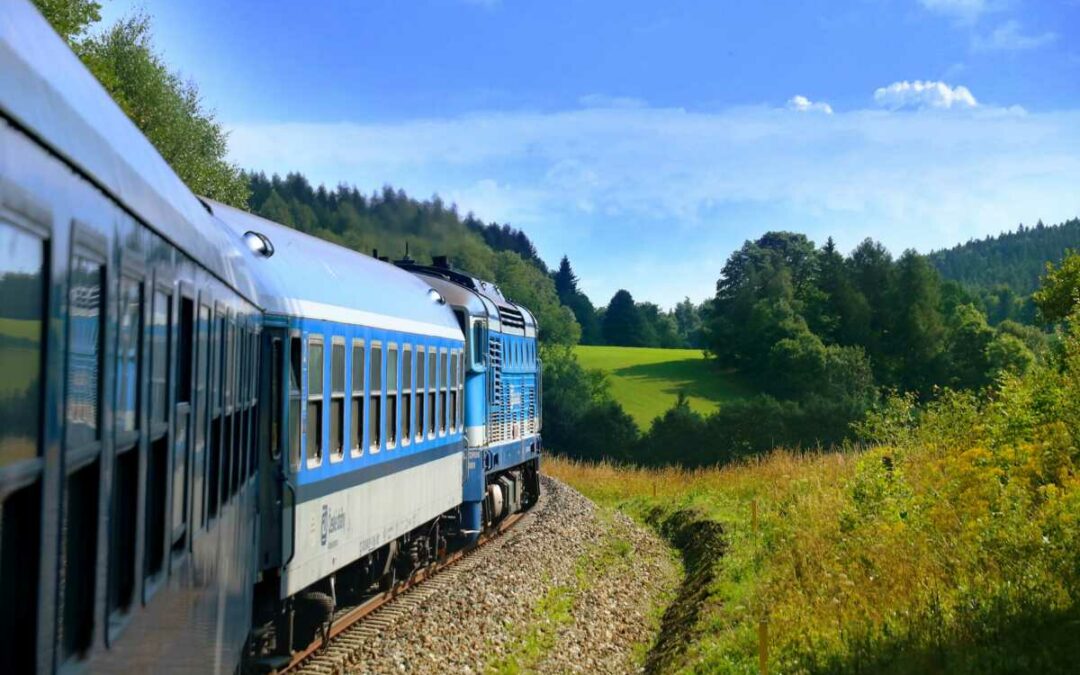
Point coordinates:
pixel 1010 37
pixel 803 104
pixel 964 10
pixel 919 94
pixel 656 198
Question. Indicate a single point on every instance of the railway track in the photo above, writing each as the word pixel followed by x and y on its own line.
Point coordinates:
pixel 352 626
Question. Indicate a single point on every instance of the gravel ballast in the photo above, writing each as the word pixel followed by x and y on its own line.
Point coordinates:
pixel 572 588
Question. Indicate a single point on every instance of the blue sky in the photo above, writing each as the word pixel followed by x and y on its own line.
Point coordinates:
pixel 647 140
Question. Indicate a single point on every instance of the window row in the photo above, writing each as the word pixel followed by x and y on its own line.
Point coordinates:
pixel 182 400
pixel 396 394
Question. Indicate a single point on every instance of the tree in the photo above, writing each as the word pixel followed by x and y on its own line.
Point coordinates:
pixel 1060 291
pixel 584 311
pixel 623 323
pixel 166 109
pixel 70 18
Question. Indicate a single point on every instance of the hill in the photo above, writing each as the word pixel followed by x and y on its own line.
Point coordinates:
pixel 1014 259
pixel 646 381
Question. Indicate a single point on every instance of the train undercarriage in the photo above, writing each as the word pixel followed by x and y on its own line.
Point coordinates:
pixel 282 627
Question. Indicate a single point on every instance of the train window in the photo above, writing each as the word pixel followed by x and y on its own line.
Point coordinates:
pixel 213 458
pixel 442 392
pixel 375 421
pixel 391 395
pixel 202 401
pixel 80 518
pixel 357 410
pixel 126 414
pixel 160 332
pixel 433 386
pixel 295 369
pixel 316 364
pixel 22 313
pixel 122 537
pixel 453 389
pixel 478 344
pixel 276 366
pixel 406 394
pixel 337 400
pixel 186 352
pixel 421 371
pixel 85 333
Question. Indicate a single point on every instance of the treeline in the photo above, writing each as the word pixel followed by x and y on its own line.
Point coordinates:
pixel 1003 271
pixel 388 220
pixel 625 322
pixel 823 336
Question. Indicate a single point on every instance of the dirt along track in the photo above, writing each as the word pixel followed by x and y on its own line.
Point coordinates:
pixel 569 588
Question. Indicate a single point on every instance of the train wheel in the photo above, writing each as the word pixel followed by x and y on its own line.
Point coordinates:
pixel 313 613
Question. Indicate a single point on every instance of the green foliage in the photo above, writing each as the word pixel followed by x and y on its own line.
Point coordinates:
pixel 1012 260
pixel 569 294
pixel 1060 290
pixel 70 18
pixel 166 109
pixel 953 545
pixel 580 416
pixel 625 325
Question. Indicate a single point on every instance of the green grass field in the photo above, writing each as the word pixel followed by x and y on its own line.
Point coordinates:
pixel 647 381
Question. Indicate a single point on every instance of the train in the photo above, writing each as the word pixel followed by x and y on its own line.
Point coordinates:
pixel 214 429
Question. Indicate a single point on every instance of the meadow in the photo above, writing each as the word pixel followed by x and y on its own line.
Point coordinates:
pixel 646 381
pixel 951 544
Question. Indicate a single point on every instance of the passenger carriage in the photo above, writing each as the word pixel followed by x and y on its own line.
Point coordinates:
pixel 129 328
pixel 364 418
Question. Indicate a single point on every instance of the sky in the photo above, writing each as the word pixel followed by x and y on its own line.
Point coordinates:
pixel 648 140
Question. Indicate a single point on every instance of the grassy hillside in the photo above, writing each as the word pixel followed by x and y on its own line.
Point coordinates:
pixel 952 545
pixel 646 381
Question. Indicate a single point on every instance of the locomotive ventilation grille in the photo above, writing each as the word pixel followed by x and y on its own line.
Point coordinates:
pixel 513 412
pixel 511 317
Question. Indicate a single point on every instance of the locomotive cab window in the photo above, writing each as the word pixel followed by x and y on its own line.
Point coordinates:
pixel 375 421
pixel 357 410
pixel 314 438
pixel 337 400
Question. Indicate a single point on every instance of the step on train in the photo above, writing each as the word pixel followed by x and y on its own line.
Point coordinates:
pixel 215 429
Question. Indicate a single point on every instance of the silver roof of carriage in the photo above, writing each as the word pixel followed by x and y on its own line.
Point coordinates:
pixel 312 278
pixel 47 92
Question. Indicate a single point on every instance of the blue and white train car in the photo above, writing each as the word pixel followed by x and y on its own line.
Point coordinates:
pixel 503 416
pixel 128 327
pixel 364 416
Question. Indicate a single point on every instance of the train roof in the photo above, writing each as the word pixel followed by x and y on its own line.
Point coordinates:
pixel 312 278
pixel 481 298
pixel 47 92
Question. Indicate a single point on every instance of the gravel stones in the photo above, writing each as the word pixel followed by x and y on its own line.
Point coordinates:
pixel 571 588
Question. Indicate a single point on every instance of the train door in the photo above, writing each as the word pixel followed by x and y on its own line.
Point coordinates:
pixel 275 399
